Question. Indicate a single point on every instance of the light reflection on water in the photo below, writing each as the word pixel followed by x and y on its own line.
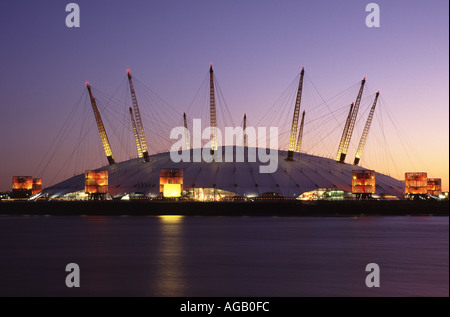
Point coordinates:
pixel 224 256
pixel 170 275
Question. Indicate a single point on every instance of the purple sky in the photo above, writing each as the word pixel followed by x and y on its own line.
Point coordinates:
pixel 257 48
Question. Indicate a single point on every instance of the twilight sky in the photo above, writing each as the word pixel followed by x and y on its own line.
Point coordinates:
pixel 257 47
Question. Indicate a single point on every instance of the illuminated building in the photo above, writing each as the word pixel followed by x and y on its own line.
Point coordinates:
pixel 434 187
pixel 416 183
pixel 157 176
pixel 326 194
pixel 96 184
pixel 37 186
pixel 199 179
pixel 363 183
pixel 171 182
pixel 22 186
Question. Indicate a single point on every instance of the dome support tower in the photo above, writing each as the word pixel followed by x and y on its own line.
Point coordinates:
pixel 300 134
pixel 244 140
pixel 295 117
pixel 101 127
pixel 344 133
pixel 186 133
pixel 362 142
pixel 137 115
pixel 212 110
pixel 349 126
pixel 136 136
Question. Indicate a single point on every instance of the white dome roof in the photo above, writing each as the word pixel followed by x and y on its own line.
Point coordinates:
pixel 292 178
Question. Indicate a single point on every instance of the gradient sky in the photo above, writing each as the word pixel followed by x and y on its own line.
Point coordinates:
pixel 257 48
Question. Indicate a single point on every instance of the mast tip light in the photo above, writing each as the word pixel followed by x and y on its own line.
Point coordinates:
pixel 128 70
pixel 87 83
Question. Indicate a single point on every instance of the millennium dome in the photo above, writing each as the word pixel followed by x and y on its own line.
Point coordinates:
pixel 304 173
pixel 292 174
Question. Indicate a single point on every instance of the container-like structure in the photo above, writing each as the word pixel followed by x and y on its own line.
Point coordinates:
pixel 37 186
pixel 171 182
pixel 416 183
pixel 22 186
pixel 363 183
pixel 434 186
pixel 96 184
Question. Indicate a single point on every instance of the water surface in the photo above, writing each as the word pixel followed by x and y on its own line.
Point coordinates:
pixel 224 256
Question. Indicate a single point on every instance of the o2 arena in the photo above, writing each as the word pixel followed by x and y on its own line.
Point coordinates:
pixel 296 175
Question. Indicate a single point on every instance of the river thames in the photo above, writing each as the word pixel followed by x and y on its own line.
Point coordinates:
pixel 187 256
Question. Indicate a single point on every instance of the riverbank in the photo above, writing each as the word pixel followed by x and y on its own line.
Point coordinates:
pixel 273 208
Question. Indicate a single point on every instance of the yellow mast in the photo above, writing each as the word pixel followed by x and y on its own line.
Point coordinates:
pixel 212 106
pixel 300 134
pixel 101 128
pixel 344 133
pixel 342 152
pixel 362 142
pixel 295 117
pixel 137 115
pixel 244 143
pixel 136 136
pixel 186 133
